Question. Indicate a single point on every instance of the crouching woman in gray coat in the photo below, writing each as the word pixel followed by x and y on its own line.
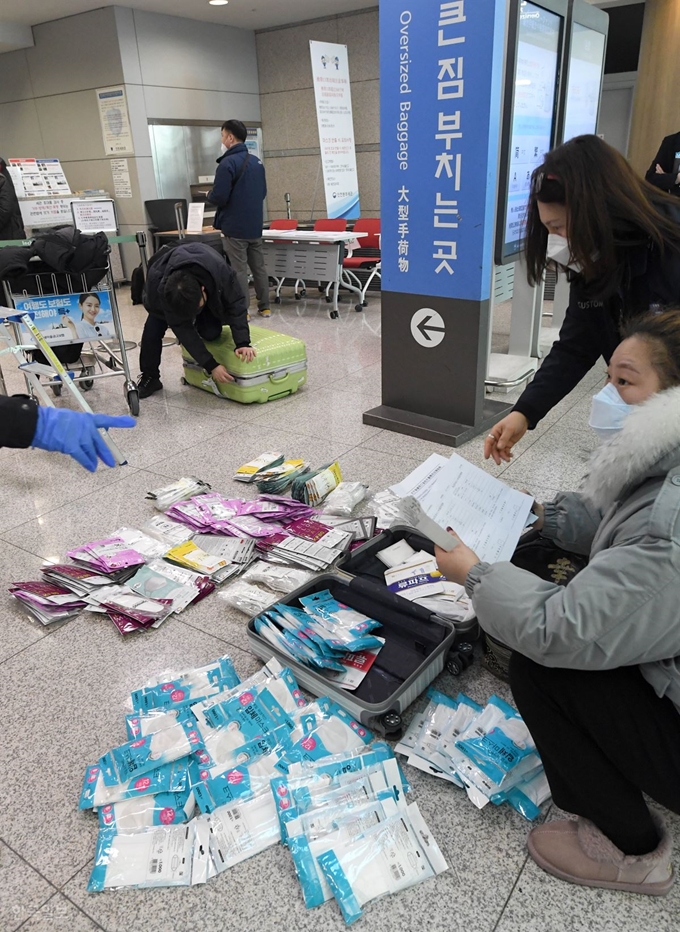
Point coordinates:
pixel 596 668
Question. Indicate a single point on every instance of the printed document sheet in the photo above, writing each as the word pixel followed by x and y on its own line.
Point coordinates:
pixel 485 513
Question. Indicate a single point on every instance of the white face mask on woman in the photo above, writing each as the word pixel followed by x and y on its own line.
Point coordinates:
pixel 608 412
pixel 558 250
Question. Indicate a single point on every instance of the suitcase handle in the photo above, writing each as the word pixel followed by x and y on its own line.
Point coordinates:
pixel 278 378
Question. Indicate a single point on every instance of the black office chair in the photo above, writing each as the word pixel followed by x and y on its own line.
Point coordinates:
pixel 162 215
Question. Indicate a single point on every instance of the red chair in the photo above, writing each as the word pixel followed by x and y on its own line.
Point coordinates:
pixel 329 225
pixel 366 256
pixel 283 225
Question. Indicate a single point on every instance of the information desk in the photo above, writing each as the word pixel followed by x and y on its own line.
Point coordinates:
pixel 310 256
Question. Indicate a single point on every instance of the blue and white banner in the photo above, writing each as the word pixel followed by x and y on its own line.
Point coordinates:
pixel 330 69
pixel 69 318
pixel 440 91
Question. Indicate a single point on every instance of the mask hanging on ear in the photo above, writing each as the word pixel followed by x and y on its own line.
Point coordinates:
pixel 558 250
pixel 608 412
pixel 223 149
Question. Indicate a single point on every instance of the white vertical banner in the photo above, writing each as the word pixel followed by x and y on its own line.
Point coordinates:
pixel 330 69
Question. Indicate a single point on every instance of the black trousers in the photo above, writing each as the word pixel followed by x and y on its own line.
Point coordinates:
pixel 605 738
pixel 208 326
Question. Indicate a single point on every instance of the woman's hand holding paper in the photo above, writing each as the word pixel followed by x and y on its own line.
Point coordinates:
pixel 457 563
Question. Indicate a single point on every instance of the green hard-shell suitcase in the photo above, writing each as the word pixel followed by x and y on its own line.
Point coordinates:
pixel 279 368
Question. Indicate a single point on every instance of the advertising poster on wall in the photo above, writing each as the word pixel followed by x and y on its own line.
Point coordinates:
pixel 38 177
pixel 115 121
pixel 69 318
pixel 330 69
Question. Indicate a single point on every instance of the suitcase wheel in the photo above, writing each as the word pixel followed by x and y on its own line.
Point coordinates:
pixel 465 648
pixel 458 661
pixel 389 725
pixel 183 381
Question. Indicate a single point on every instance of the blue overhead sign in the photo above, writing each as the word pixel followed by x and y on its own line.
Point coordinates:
pixel 440 91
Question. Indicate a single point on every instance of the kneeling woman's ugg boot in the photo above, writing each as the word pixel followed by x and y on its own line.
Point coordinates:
pixel 578 852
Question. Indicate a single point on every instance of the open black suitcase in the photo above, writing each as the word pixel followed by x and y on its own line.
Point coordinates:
pixel 418 643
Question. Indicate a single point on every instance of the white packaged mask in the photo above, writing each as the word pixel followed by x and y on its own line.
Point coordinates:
pixel 161 857
pixel 242 830
pixel 393 856
pixel 608 412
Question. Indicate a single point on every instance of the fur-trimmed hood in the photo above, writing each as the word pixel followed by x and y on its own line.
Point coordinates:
pixel 647 447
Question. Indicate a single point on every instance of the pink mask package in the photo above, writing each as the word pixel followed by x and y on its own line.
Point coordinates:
pixel 107 555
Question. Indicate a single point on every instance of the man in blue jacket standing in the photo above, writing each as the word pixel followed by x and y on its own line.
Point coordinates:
pixel 239 193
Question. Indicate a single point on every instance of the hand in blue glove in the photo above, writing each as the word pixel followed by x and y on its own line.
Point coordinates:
pixel 76 434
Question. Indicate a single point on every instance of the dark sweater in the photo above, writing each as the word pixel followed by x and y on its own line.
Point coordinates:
pixel 592 328
pixel 668 157
pixel 225 300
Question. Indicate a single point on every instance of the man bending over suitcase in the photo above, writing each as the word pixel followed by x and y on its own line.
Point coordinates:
pixel 191 289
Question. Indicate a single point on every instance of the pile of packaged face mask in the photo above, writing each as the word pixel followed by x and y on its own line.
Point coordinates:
pixel 262 765
pixel 177 492
pixel 416 577
pixel 327 636
pixel 272 472
pixel 488 751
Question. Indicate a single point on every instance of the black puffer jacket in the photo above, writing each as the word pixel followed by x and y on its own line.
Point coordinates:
pixel 11 223
pixel 225 301
pixel 592 328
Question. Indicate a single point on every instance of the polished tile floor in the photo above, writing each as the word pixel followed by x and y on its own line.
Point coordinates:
pixel 64 692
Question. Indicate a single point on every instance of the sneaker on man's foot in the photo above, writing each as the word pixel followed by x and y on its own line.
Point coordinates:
pixel 264 312
pixel 148 384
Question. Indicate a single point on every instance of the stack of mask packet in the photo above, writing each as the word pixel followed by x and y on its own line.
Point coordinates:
pixel 307 542
pixel 332 639
pixel 177 491
pixel 312 488
pixel 262 765
pixel 416 577
pixel 486 750
pixel 47 601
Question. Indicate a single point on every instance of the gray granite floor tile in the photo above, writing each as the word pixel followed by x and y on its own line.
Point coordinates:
pixel 59 915
pixel 19 629
pixel 89 517
pixel 324 413
pixel 377 470
pixel 35 482
pixel 541 903
pixel 559 460
pixel 64 701
pixel 238 445
pixel 22 890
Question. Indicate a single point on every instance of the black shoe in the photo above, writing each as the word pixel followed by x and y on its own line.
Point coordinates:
pixel 148 384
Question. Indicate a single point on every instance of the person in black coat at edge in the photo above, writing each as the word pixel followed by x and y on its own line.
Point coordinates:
pixel 619 239
pixel 191 289
pixel 76 433
pixel 664 172
pixel 11 222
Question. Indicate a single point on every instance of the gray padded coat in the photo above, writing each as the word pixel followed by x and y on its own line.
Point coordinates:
pixel 623 609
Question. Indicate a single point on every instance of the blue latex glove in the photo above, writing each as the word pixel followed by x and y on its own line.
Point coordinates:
pixel 75 433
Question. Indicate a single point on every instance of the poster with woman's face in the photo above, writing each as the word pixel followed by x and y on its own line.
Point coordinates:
pixel 70 318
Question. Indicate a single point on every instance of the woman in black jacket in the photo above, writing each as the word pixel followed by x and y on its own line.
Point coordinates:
pixel 619 239
pixel 11 222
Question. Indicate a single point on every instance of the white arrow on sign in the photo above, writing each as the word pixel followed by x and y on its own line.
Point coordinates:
pixel 427 327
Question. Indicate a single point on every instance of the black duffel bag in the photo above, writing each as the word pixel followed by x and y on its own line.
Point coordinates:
pixel 545 559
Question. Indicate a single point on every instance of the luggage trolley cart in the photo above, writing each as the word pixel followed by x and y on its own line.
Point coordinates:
pixel 71 310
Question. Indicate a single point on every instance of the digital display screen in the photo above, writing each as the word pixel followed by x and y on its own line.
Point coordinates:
pixel 585 75
pixel 533 113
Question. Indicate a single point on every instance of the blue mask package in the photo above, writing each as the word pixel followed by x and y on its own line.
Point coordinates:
pixel 138 757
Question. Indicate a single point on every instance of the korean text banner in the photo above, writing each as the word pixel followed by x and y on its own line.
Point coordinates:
pixel 70 318
pixel 330 69
pixel 440 89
